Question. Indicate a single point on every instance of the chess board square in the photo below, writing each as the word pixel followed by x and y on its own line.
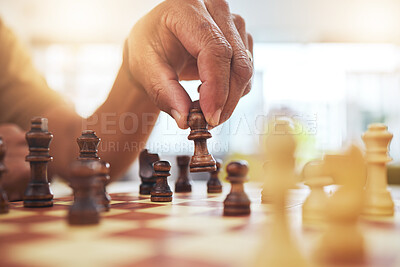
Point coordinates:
pixel 134 205
pixel 136 216
pixel 31 219
pixel 67 252
pixel 169 261
pixel 150 233
pixel 176 210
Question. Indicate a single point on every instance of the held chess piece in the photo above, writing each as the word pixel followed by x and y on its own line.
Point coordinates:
pixel 182 184
pixel 38 192
pixel 88 144
pixel 146 171
pixel 378 199
pixel 84 210
pixel 161 191
pixel 4 206
pixel 277 246
pixel 343 243
pixel 237 203
pixel 214 184
pixel 202 161
pixel 315 177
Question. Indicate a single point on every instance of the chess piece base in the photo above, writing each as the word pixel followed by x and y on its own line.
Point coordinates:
pixel 379 204
pixel 145 188
pixel 183 188
pixel 4 208
pixel 161 198
pixel 83 214
pixel 38 196
pixel 236 210
pixel 43 203
pixel 214 189
pixel 203 163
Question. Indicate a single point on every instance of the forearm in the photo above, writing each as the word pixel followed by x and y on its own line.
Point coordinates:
pixel 124 123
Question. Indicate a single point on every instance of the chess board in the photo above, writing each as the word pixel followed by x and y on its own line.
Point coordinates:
pixel 190 231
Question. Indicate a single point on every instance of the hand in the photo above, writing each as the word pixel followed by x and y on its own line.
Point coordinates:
pixel 192 40
pixel 15 180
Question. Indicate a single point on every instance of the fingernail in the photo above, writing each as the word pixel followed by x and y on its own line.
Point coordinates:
pixel 214 120
pixel 177 116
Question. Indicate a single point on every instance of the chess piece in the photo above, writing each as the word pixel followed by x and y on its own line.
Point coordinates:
pixel 315 204
pixel 84 210
pixel 237 203
pixel 38 192
pixel 280 149
pixel 146 171
pixel 265 194
pixel 277 245
pixel 88 144
pixel 103 178
pixel 378 199
pixel 161 191
pixel 202 161
pixel 343 243
pixel 182 184
pixel 214 184
pixel 4 206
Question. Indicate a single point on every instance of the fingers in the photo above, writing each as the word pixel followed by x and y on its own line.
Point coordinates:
pixel 167 93
pixel 241 67
pixel 250 48
pixel 204 40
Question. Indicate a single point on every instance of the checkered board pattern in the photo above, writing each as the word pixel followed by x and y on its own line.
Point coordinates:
pixel 190 231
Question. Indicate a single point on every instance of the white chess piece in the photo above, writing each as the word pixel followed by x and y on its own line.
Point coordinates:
pixel 378 199
pixel 278 248
pixel 342 242
pixel 315 177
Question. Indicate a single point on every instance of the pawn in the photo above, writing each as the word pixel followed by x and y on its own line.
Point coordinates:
pixel 237 203
pixel 161 191
pixel 38 192
pixel 182 184
pixel 214 184
pixel 103 198
pixel 4 206
pixel 315 205
pixel 85 210
pixel 202 160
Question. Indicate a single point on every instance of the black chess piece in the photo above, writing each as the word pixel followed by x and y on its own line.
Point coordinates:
pixel 4 206
pixel 214 184
pixel 146 171
pixel 103 178
pixel 84 210
pixel 237 203
pixel 202 160
pixel 161 191
pixel 88 144
pixel 38 192
pixel 182 184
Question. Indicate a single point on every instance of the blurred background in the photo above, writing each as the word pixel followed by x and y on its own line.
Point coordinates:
pixel 331 65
